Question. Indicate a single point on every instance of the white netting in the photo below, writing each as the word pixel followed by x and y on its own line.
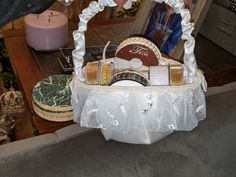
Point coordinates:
pixel 138 114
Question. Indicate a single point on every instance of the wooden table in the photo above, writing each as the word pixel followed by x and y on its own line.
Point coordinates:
pixel 27 70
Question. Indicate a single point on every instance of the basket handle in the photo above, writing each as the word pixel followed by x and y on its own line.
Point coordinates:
pixel 95 7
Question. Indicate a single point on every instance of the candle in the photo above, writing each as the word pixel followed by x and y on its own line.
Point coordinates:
pixel 46 31
pixel 92 72
pixel 176 75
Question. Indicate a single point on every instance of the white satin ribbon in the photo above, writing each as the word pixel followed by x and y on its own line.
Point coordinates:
pixel 95 7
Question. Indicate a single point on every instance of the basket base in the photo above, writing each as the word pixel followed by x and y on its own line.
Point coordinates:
pixel 139 115
pixel 135 136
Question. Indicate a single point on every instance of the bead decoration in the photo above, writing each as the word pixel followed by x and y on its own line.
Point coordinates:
pixel 149 104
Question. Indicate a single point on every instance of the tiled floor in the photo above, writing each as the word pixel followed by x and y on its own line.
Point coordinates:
pixel 218 65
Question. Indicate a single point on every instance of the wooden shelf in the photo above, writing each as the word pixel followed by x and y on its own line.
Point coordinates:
pixel 28 74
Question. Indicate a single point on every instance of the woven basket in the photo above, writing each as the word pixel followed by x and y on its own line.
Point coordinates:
pixel 139 115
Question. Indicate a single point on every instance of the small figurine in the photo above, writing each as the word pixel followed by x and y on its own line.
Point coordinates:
pixel 12 102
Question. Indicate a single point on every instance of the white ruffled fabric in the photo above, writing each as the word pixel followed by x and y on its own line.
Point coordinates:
pixel 140 115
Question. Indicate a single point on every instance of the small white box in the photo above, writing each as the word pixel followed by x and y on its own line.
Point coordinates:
pixel 159 75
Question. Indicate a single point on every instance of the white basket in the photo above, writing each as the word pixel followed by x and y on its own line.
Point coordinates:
pixel 139 115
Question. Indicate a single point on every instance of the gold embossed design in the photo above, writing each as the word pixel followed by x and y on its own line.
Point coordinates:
pixel 106 73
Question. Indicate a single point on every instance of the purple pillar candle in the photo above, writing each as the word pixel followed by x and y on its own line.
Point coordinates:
pixel 46 31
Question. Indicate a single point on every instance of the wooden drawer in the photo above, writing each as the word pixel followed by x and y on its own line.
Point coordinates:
pixel 219 26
